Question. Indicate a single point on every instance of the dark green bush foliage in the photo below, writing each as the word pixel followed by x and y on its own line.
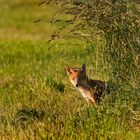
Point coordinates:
pixel 115 23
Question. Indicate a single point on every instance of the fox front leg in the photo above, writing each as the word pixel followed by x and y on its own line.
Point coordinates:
pixel 91 100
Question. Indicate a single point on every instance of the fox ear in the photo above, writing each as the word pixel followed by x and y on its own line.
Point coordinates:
pixel 83 68
pixel 69 70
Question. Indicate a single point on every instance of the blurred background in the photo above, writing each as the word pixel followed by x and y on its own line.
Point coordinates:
pixel 18 20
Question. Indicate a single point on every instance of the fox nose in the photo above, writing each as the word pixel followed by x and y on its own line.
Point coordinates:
pixel 76 85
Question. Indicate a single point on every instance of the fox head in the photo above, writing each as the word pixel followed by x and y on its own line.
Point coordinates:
pixel 77 76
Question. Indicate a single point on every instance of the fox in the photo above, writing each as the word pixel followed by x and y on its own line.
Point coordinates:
pixel 90 89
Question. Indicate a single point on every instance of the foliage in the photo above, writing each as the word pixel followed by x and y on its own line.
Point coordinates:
pixel 114 21
pixel 116 24
pixel 37 100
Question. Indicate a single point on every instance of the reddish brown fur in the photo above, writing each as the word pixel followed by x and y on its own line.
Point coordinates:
pixel 90 89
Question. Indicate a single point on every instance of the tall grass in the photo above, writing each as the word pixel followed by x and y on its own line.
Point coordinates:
pixel 37 100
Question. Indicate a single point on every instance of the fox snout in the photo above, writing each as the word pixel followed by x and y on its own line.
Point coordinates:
pixel 76 85
pixel 74 81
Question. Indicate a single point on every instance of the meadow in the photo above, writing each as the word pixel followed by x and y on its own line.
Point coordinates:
pixel 37 100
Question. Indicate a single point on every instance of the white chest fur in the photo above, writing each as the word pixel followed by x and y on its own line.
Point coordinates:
pixel 84 92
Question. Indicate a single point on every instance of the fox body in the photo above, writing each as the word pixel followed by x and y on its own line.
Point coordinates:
pixel 90 89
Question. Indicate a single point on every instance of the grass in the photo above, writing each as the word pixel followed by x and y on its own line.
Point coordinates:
pixel 37 100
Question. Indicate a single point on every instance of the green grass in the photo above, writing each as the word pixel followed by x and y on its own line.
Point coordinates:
pixel 37 97
pixel 37 100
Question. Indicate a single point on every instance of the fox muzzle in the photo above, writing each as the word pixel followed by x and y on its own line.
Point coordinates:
pixel 76 85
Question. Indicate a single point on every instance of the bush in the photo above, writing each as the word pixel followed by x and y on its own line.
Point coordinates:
pixel 111 30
